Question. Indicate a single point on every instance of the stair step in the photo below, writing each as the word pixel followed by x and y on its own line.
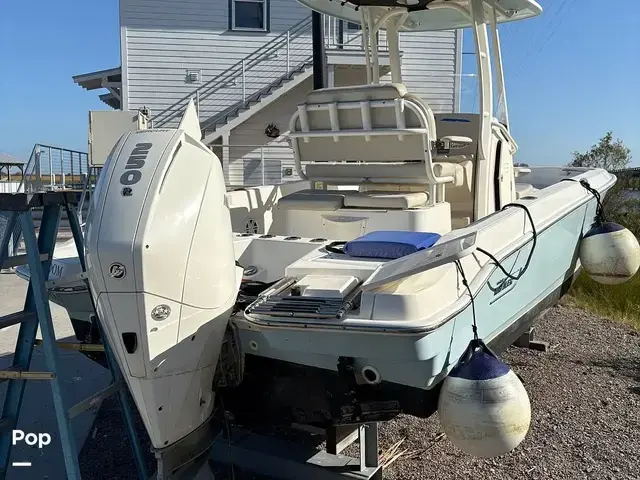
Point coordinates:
pixel 254 99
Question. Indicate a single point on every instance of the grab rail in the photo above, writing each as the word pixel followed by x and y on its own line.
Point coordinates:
pixel 507 135
pixel 304 133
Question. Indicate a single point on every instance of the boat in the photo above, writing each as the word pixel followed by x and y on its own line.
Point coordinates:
pixel 409 234
pixel 250 210
pixel 68 290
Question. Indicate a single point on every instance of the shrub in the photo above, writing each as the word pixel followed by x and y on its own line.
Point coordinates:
pixel 618 302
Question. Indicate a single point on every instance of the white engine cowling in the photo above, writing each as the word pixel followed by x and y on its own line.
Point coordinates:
pixel 162 272
pixel 483 407
pixel 610 253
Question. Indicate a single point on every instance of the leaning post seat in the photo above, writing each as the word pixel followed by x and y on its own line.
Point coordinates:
pixel 332 200
pixel 367 135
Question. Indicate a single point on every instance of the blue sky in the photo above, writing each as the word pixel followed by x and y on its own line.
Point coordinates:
pixel 42 44
pixel 572 74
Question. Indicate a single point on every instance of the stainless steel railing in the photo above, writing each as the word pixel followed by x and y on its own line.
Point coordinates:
pixel 54 168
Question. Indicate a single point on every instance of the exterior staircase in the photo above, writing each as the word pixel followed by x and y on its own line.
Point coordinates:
pixel 249 85
pixel 238 113
pixel 258 79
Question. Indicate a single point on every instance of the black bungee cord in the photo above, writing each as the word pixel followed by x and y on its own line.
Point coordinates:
pixel 600 218
pixel 465 283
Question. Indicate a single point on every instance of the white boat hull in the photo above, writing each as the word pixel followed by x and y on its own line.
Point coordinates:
pixel 412 354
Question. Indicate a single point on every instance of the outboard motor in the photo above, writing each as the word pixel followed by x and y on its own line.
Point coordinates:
pixel 161 268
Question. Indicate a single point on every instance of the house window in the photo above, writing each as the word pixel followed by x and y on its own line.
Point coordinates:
pixel 251 15
pixel 353 27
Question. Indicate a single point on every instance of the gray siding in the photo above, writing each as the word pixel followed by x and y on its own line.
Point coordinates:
pixel 429 65
pixel 245 166
pixel 164 38
pixel 430 62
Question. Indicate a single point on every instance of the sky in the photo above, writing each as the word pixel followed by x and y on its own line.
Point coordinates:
pixel 572 74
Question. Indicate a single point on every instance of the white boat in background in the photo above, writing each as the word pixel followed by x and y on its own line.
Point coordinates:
pixel 351 302
pixel 69 290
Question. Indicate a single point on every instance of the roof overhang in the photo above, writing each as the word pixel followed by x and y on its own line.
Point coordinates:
pixel 111 79
pixel 110 100
pixel 7 160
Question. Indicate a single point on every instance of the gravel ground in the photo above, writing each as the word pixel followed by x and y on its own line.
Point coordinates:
pixel 585 397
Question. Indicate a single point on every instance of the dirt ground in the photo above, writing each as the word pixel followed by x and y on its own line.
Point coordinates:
pixel 585 398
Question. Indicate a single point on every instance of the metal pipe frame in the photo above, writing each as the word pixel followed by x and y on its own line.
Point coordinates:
pixel 305 134
pixel 481 40
pixel 497 56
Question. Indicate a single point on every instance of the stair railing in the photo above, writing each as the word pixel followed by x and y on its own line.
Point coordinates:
pixel 258 79
pixel 53 168
pixel 28 169
pixel 338 36
pixel 256 165
pixel 258 73
pixel 237 82
pixel 283 58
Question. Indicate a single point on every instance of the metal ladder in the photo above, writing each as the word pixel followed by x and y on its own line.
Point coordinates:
pixel 39 252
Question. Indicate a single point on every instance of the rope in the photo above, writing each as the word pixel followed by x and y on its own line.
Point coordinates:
pixel 533 247
pixel 600 218
pixel 474 325
pixel 332 247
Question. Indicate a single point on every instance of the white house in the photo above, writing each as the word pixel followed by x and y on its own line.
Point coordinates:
pixel 247 64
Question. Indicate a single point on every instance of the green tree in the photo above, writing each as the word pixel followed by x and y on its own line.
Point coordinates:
pixel 606 154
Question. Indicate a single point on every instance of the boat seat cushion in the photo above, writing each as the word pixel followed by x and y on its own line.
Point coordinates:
pixel 398 173
pixel 332 200
pixel 391 200
pixel 315 200
pixel 524 189
pixel 390 244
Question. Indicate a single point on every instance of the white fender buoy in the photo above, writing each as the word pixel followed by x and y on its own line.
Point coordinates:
pixel 483 407
pixel 610 253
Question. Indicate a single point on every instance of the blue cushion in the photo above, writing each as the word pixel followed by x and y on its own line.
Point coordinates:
pixel 390 244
